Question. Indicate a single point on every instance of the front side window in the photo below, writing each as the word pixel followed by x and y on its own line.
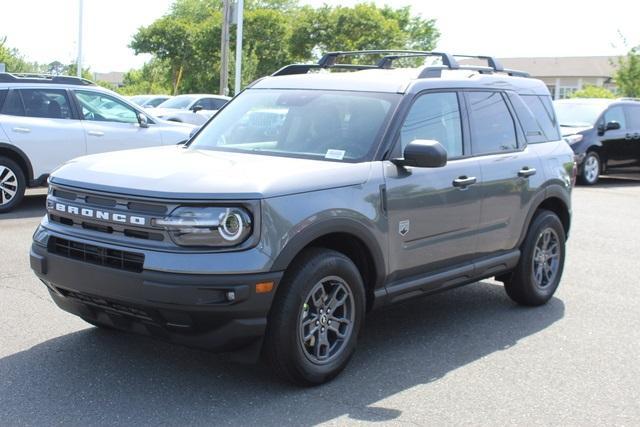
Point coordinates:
pixel 615 114
pixel 99 107
pixel 634 117
pixel 315 124
pixel 492 126
pixel 435 116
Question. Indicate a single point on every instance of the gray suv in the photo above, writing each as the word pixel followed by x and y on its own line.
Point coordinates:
pixel 316 195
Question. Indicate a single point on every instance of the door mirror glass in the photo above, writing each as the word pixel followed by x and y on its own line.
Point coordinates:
pixel 423 153
pixel 143 121
pixel 612 125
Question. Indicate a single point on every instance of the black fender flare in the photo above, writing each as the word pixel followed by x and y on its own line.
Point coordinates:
pixel 555 191
pixel 21 154
pixel 331 226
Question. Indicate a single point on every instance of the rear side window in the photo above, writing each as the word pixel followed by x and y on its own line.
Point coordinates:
pixel 13 104
pixel 543 112
pixel 492 127
pixel 3 95
pixel 632 112
pixel 46 103
pixel 530 126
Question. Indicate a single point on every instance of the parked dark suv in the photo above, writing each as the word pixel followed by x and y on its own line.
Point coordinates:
pixel 604 134
pixel 310 199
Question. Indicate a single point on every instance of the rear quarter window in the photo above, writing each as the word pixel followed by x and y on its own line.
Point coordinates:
pixel 542 110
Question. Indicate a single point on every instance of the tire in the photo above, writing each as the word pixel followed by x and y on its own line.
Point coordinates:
pixel 591 167
pixel 295 314
pixel 533 282
pixel 12 184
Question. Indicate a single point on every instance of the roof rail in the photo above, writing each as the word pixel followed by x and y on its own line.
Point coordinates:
pixel 43 78
pixel 329 60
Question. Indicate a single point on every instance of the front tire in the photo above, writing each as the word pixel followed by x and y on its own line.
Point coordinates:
pixel 315 318
pixel 538 273
pixel 591 168
pixel 13 184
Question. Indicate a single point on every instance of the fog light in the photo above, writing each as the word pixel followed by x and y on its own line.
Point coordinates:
pixel 231 296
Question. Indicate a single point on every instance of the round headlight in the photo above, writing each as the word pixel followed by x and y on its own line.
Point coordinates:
pixel 231 226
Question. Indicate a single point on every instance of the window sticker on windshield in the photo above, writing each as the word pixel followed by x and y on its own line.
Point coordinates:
pixel 334 154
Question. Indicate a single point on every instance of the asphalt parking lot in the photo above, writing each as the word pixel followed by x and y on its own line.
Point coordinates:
pixel 469 356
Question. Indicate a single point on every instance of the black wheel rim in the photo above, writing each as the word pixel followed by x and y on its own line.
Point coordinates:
pixel 8 185
pixel 546 258
pixel 326 320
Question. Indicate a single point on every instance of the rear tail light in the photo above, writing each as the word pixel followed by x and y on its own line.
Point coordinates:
pixel 574 173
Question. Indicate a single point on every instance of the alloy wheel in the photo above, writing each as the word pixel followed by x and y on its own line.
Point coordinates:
pixel 591 168
pixel 8 185
pixel 326 321
pixel 546 258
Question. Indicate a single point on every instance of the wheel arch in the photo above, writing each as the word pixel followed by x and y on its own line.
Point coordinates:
pixel 556 200
pixel 347 237
pixel 18 156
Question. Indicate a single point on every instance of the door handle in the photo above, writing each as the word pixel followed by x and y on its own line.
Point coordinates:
pixel 95 133
pixel 526 172
pixel 21 130
pixel 464 181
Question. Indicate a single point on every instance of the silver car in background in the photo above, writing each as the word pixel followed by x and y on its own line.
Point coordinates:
pixel 194 108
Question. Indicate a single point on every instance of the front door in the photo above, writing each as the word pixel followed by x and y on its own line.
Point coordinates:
pixel 112 125
pixel 433 212
pixel 617 143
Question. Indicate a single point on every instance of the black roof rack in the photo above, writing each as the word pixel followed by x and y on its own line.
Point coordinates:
pixel 43 78
pixel 329 60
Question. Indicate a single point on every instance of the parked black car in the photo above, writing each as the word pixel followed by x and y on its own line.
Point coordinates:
pixel 604 134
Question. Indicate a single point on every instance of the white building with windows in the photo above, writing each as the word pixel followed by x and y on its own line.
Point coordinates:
pixel 564 75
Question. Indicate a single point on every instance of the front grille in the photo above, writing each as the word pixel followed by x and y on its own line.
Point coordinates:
pixel 122 260
pixel 107 304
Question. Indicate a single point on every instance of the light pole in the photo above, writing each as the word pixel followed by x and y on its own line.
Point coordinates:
pixel 79 59
pixel 239 15
pixel 224 48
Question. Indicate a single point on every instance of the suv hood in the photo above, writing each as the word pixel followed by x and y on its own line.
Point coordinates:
pixel 178 173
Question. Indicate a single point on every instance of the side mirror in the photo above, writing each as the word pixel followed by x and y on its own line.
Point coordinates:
pixel 423 153
pixel 612 125
pixel 143 121
pixel 196 108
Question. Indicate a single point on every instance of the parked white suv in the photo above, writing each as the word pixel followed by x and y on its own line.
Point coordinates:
pixel 193 108
pixel 46 121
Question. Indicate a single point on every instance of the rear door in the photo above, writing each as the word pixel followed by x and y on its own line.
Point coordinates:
pixel 433 221
pixel 41 122
pixel 511 173
pixel 111 124
pixel 633 124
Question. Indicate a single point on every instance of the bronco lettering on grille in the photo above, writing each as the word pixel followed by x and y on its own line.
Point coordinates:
pixel 100 214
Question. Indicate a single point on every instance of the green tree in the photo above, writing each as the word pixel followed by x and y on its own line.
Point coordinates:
pixel 627 76
pixel 12 59
pixel 590 91
pixel 186 41
pixel 151 79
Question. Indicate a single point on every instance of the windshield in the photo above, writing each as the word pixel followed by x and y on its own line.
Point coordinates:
pixel 317 124
pixel 575 114
pixel 180 102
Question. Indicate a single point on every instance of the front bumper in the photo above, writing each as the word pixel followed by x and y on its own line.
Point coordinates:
pixel 213 312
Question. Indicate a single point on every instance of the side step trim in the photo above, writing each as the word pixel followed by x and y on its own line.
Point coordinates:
pixel 451 278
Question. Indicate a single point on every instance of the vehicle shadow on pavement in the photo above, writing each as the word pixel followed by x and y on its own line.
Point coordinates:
pixel 31 206
pixel 103 377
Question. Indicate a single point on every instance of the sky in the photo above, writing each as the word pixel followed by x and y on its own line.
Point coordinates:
pixel 488 27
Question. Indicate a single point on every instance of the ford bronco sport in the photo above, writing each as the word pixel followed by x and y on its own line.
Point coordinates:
pixel 317 194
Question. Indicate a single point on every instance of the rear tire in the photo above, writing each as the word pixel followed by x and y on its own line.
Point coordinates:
pixel 13 184
pixel 591 167
pixel 315 318
pixel 538 273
